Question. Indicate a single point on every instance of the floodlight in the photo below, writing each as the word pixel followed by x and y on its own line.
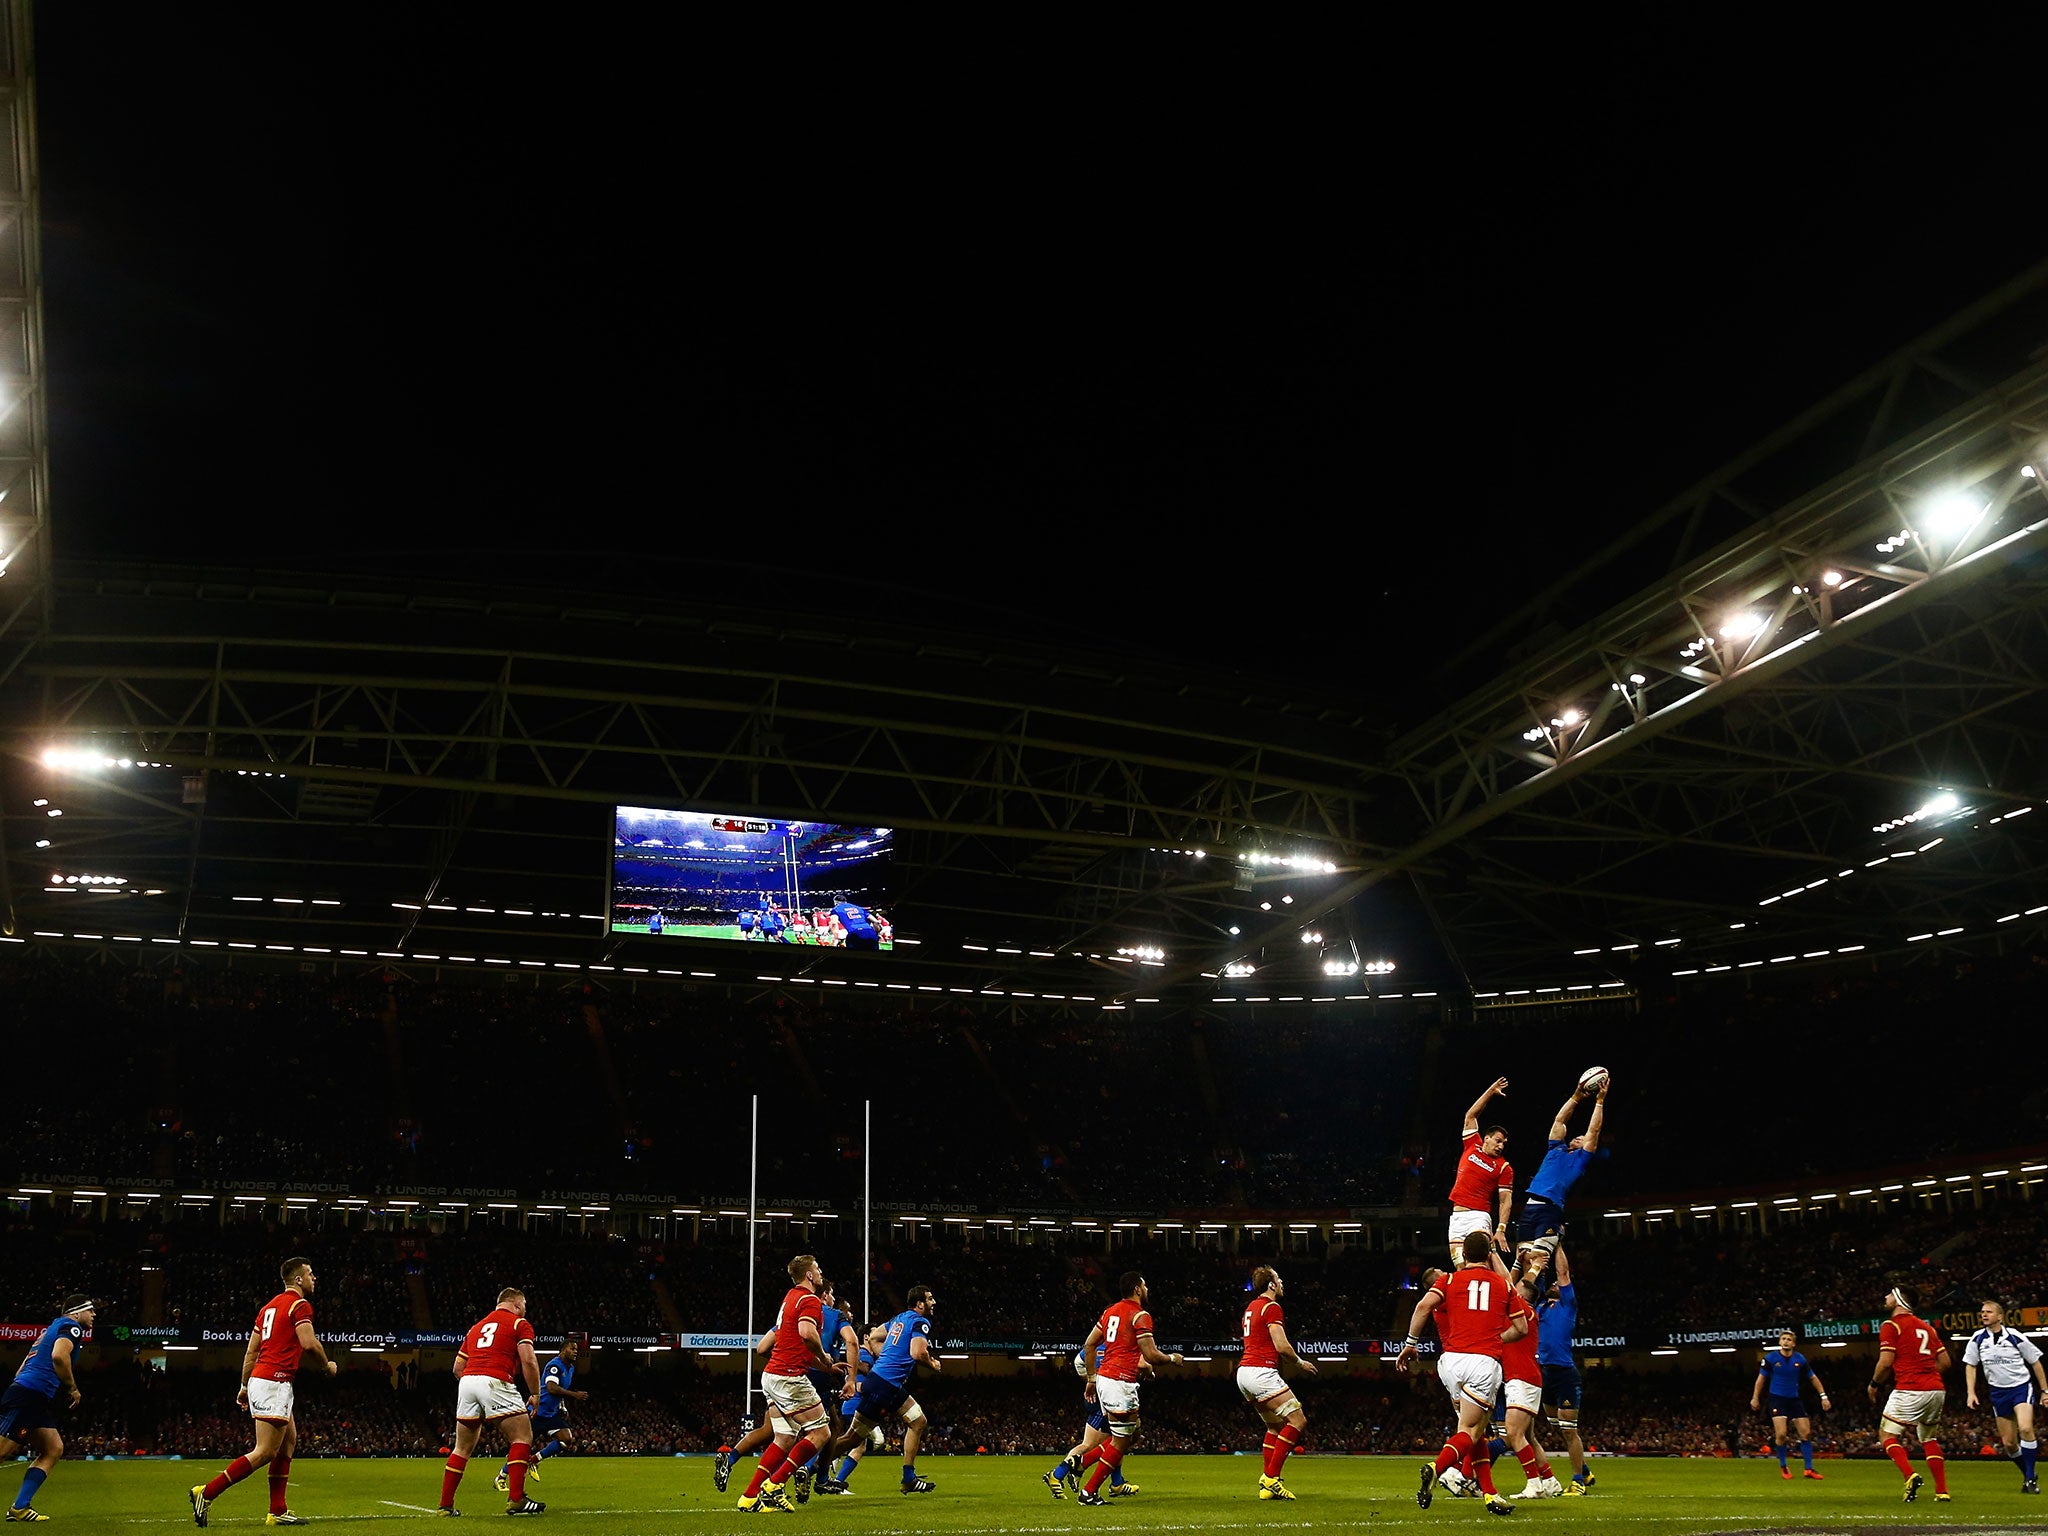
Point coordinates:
pixel 1234 930
pixel 1637 678
pixel 1740 626
pixel 2026 472
pixel 1940 805
pixel 1952 514
pixel 1831 578
pixel 1572 717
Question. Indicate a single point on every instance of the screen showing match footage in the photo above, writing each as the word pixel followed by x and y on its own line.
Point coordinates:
pixel 750 879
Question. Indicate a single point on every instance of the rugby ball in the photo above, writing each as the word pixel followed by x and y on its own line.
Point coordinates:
pixel 1593 1079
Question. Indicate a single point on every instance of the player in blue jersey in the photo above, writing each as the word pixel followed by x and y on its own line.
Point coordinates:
pixel 746 922
pixel 1556 1319
pixel 1068 1468
pixel 551 1430
pixel 858 924
pixel 28 1409
pixel 886 1392
pixel 773 926
pixel 1783 1376
pixel 2011 1366
pixel 1565 1160
pixel 654 923
pixel 836 1334
pixel 871 1346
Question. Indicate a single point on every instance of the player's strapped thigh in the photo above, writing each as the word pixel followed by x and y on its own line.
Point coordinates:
pixel 270 1401
pixel 1921 1410
pixel 1473 1379
pixel 1524 1397
pixel 1464 1221
pixel 487 1400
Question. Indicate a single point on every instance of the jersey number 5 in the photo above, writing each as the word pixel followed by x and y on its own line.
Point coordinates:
pixel 486 1335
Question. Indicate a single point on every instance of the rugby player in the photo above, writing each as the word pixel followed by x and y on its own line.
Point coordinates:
pixel 279 1342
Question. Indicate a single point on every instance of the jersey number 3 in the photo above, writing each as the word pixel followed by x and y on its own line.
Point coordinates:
pixel 486 1335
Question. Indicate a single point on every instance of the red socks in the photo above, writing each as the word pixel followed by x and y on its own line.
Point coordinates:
pixel 1092 1456
pixel 1936 1463
pixel 1266 1446
pixel 797 1455
pixel 451 1478
pixel 237 1469
pixel 515 1471
pixel 1282 1442
pixel 1897 1452
pixel 1533 1466
pixel 1111 1456
pixel 1485 1466
pixel 280 1474
pixel 1454 1451
pixel 765 1470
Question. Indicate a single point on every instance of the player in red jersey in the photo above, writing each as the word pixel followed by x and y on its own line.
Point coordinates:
pixel 1260 1383
pixel 280 1339
pixel 1125 1333
pixel 1913 1355
pixel 496 1354
pixel 1523 1384
pixel 1473 1320
pixel 795 1411
pixel 1485 1180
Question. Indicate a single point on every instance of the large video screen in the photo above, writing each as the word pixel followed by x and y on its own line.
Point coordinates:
pixel 697 875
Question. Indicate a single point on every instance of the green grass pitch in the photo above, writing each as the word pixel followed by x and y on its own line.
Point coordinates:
pixel 599 1496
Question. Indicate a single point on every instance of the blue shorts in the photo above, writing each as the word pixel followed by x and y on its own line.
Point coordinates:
pixel 880 1399
pixel 24 1410
pixel 1786 1407
pixel 1539 1218
pixel 1099 1420
pixel 1561 1387
pixel 543 1427
pixel 2004 1398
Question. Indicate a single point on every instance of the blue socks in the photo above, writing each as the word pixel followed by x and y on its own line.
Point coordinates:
pixel 2029 1449
pixel 847 1467
pixel 31 1480
pixel 1116 1477
pixel 1806 1450
pixel 1497 1448
pixel 552 1448
pixel 1784 1451
pixel 909 1474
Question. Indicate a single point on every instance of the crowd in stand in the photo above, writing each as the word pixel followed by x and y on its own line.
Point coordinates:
pixel 595 1088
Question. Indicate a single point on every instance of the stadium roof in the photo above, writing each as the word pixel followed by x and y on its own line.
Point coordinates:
pixel 1791 715
pixel 1817 735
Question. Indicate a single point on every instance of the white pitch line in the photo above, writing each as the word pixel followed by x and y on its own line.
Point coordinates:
pixel 425 1509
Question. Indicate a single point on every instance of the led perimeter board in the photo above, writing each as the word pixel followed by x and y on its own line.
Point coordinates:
pixel 751 879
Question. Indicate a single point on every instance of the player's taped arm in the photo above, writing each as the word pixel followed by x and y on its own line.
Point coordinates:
pixel 1561 1123
pixel 1500 1088
pixel 1150 1351
pixel 1881 1372
pixel 1594 1125
pixel 808 1332
pixel 1507 1201
pixel 1814 1376
pixel 60 1362
pixel 309 1344
pixel 1423 1308
pixel 921 1353
pixel 1088 1351
pixel 1284 1347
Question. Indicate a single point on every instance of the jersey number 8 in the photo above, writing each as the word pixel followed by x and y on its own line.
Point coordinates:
pixel 1110 1332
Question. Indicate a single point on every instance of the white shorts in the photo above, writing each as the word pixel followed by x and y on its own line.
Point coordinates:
pixel 1257 1383
pixel 1115 1396
pixel 1463 1221
pixel 270 1400
pixel 790 1398
pixel 487 1399
pixel 1921 1408
pixel 1470 1378
pixel 1525 1395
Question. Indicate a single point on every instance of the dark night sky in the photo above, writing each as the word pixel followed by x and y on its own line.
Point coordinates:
pixel 1243 354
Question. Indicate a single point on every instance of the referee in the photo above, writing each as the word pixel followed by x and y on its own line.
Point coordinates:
pixel 2012 1369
